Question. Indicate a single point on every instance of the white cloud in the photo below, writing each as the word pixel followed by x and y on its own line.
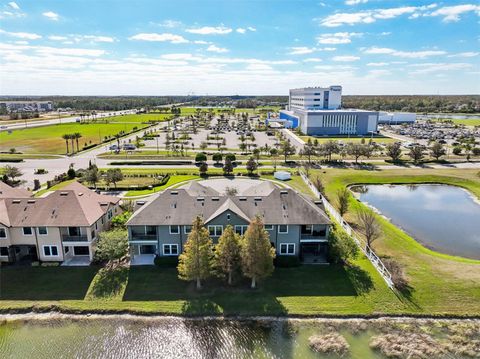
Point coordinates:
pixel 241 30
pixel 259 67
pixel 404 54
pixel 168 23
pixel 213 48
pixel 95 38
pixel 355 2
pixel 370 16
pixel 465 54
pixel 313 59
pixel 378 64
pixel 337 38
pixel 210 30
pixel 179 56
pixel 14 5
pixel 51 15
pixel 57 38
pixel 452 13
pixel 251 28
pixel 201 42
pixel 345 58
pixel 22 35
pixel 301 50
pixel 426 68
pixel 165 37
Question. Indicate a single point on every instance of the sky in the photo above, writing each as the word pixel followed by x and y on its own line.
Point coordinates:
pixel 262 47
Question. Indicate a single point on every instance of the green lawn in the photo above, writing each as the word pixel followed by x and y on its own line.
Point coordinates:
pixel 191 110
pixel 171 182
pixel 470 122
pixel 48 139
pixel 440 283
pixel 146 117
pixel 349 139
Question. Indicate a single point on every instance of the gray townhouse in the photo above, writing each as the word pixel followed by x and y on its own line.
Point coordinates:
pixel 297 226
pixel 60 227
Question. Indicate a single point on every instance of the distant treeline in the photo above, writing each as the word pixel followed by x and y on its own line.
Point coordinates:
pixel 416 103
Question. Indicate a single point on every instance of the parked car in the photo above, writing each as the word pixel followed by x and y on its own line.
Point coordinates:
pixel 113 148
pixel 129 147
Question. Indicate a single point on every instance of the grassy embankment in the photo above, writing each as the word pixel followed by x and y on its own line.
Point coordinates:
pixel 441 284
pixel 48 139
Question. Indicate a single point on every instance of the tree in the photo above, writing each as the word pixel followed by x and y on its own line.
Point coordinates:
pixel 356 150
pixel 203 169
pixel 369 225
pixel 287 149
pixel 343 196
pixel 468 144
pixel 217 157
pixel 318 183
pixel 200 157
pixel 203 145
pixel 195 263
pixel 120 220
pixel 437 150
pixel 12 172
pixel 113 175
pixel 92 175
pixel 394 151
pixel 273 155
pixel 257 252
pixel 416 153
pixel 228 166
pixel 112 246
pixel 66 137
pixel 77 136
pixel 227 260
pixel 251 166
pixel 329 148
pixel 341 246
pixel 308 150
pixel 231 157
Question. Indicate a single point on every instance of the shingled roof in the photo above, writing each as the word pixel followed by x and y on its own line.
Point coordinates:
pixel 279 206
pixel 13 192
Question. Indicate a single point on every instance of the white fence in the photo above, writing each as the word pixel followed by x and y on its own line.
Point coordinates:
pixel 366 249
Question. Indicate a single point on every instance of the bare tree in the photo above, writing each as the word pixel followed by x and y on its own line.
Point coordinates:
pixel 369 224
pixel 343 196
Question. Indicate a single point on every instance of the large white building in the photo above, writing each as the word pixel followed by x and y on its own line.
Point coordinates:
pixel 395 118
pixel 317 111
pixel 315 98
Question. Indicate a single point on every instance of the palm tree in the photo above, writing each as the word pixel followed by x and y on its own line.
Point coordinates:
pixel 72 139
pixel 77 136
pixel 66 137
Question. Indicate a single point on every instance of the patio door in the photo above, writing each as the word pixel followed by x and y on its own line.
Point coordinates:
pixel 81 251
pixel 147 249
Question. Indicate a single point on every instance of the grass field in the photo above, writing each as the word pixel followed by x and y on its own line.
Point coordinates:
pixel 146 117
pixel 191 110
pixel 470 122
pixel 351 139
pixel 171 182
pixel 49 140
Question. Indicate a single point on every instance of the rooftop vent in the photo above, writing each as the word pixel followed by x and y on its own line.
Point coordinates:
pixel 103 203
pixel 31 201
pixel 200 199
pixel 63 193
pixel 173 193
pixel 173 205
pixel 16 201
pixel 215 199
pixel 242 198
pixel 80 194
pixel 257 198
pixel 283 192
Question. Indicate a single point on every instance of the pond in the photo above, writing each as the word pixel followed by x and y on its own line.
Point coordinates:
pixel 441 217
pixel 166 337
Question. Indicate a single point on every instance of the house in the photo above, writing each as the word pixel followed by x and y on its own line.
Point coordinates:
pixel 61 227
pixel 296 225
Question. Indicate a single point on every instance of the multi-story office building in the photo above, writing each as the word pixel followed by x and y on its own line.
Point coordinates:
pixel 317 111
pixel 27 106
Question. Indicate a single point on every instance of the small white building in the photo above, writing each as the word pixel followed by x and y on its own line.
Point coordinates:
pixel 282 175
pixel 395 118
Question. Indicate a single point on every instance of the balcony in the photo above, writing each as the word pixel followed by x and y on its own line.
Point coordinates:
pixel 143 237
pixel 68 238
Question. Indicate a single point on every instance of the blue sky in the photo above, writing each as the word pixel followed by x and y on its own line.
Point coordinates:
pixel 143 47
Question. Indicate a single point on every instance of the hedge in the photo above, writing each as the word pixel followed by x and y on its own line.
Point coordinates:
pixel 150 163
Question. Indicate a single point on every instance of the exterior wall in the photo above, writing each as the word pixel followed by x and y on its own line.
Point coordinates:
pixel 17 237
pixel 396 117
pixel 328 123
pixel 52 238
pixel 289 116
pixel 316 98
pixel 293 236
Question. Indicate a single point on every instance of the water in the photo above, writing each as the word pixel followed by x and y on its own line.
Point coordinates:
pixel 443 218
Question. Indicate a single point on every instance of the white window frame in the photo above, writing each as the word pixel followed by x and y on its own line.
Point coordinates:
pixel 268 227
pixel 170 246
pixel 23 231
pixel 286 245
pixel 280 226
pixel 4 231
pixel 170 229
pixel 185 229
pixel 243 228
pixel 215 226
pixel 50 248
pixel 311 228
pixel 46 231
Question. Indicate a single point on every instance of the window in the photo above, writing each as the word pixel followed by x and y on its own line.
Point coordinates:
pixel 27 231
pixel 96 226
pixel 283 228
pixel 187 229
pixel 50 251
pixel 215 231
pixel 109 214
pixel 67 249
pixel 3 232
pixel 73 231
pixel 43 231
pixel 170 249
pixel 241 229
pixel 102 220
pixel 151 230
pixel 228 216
pixel 92 234
pixel 287 249
pixel 269 227
pixel 3 251
pixel 174 229
pixel 81 251
pixel 307 229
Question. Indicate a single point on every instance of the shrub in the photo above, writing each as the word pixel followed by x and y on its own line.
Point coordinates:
pixel 71 173
pixel 200 157
pixel 166 261
pixel 342 246
pixel 286 261
pixel 398 274
pixel 231 157
pixel 476 151
pixel 36 184
pixel 457 151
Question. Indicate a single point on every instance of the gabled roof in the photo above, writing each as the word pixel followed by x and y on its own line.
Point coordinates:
pixel 263 189
pixel 7 191
pixel 228 205
pixel 75 205
pixel 194 188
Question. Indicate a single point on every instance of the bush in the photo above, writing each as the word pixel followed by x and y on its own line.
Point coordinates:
pixel 166 261
pixel 200 157
pixel 457 151
pixel 71 173
pixel 11 160
pixel 398 275
pixel 342 247
pixel 150 163
pixel 231 157
pixel 476 151
pixel 36 184
pixel 286 261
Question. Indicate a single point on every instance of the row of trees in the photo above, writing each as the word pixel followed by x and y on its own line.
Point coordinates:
pixel 329 148
pixel 250 255
pixel 93 175
pixel 73 138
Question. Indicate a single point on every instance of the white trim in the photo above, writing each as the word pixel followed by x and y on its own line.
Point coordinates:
pixel 170 229
pixel 311 229
pixel 215 226
pixel 313 240
pixel 185 229
pixel 143 242
pixel 243 228
pixel 269 227
pixel 278 228
pixel 6 233
pixel 40 234
pixel 23 231
pixel 287 245
pixel 50 246
pixel 170 245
